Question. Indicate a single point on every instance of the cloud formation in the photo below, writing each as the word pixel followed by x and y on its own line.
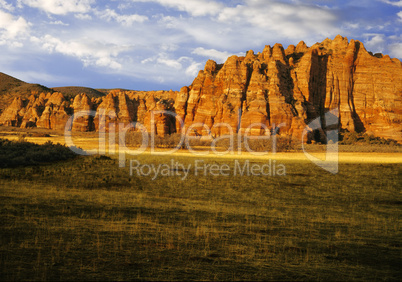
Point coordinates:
pixel 6 6
pixel 11 28
pixel 89 51
pixel 375 42
pixel 286 19
pixel 396 50
pixel 166 42
pixel 394 3
pixel 126 20
pixel 59 7
pixel 193 7
pixel 219 56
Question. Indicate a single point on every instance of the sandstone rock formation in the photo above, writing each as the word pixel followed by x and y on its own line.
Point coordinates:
pixel 83 120
pixel 290 88
pixel 56 112
pixel 115 109
pixel 275 91
pixel 12 115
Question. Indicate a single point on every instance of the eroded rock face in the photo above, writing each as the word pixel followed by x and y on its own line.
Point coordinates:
pixel 116 111
pixel 56 114
pixel 157 116
pixel 342 75
pixel 247 95
pixel 82 110
pixel 284 90
pixel 60 116
pixel 277 90
pixel 106 114
pixel 12 115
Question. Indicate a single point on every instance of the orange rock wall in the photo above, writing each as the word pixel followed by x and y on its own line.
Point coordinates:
pixel 275 90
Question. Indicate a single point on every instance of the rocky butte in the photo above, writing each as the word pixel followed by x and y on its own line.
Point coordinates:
pixel 251 94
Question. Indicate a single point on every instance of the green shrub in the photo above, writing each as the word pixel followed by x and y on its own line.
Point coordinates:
pixel 350 138
pixel 23 153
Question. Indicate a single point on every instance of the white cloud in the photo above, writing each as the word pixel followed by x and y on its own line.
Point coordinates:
pixel 397 3
pixel 193 69
pixel 58 23
pixel 374 42
pixel 255 23
pixel 219 56
pixel 193 7
pixel 4 5
pixel 395 50
pixel 169 22
pixel 289 20
pixel 89 51
pixel 170 68
pixel 108 62
pixel 126 20
pixel 12 29
pixel 400 16
pixel 163 59
pixel 174 64
pixel 351 26
pixel 83 16
pixel 394 37
pixel 124 6
pixel 377 27
pixel 60 7
pixel 169 47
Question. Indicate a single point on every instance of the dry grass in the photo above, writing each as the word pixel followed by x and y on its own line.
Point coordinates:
pixel 90 141
pixel 88 219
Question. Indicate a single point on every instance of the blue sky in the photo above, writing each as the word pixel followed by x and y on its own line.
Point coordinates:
pixel 162 44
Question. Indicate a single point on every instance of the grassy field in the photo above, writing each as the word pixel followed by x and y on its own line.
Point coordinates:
pixel 90 141
pixel 88 219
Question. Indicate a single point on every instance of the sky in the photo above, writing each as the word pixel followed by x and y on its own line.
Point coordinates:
pixel 162 44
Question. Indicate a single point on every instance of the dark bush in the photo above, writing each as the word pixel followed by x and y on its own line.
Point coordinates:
pixel 22 153
pixel 38 134
pixel 351 138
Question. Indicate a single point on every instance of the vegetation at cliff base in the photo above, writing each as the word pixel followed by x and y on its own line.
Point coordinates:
pixel 362 138
pixel 23 153
pixel 233 142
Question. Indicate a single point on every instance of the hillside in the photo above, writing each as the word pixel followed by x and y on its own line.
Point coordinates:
pixel 8 82
pixel 73 91
pixel 11 87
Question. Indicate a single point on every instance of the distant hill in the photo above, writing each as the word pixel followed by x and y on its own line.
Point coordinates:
pixel 10 87
pixel 72 91
pixel 8 82
pixel 107 91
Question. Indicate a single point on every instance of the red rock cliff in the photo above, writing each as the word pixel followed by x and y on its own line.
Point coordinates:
pixel 276 90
